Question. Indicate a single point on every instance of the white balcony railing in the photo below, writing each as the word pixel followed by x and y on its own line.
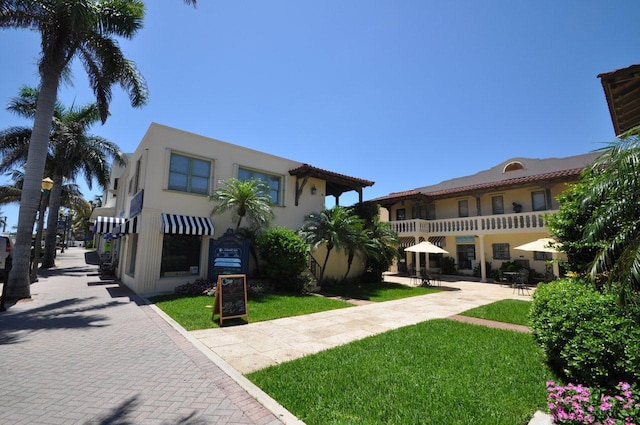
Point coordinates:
pixel 487 224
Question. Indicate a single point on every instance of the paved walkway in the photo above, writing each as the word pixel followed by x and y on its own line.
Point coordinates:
pixel 86 351
pixel 257 345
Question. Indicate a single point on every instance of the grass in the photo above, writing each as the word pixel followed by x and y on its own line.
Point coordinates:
pixel 436 372
pixel 194 313
pixel 508 311
pixel 378 292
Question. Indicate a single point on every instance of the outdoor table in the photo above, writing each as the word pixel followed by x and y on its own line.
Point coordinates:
pixel 512 276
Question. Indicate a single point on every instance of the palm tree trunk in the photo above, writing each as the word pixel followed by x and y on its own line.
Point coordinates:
pixel 18 286
pixel 48 260
pixel 324 265
pixel 349 262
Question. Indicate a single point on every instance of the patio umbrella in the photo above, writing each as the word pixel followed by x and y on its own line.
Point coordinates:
pixel 543 245
pixel 540 245
pixel 426 247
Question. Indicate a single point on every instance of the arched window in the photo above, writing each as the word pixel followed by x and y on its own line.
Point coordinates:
pixel 512 166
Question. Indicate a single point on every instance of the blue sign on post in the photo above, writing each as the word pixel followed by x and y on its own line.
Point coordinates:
pixel 228 254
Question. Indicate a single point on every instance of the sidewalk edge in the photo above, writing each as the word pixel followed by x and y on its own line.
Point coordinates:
pixel 263 398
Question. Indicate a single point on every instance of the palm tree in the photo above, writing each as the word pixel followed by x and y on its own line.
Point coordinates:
pixel 81 219
pixel 613 193
pixel 71 152
pixel 355 242
pixel 382 246
pixel 83 29
pixel 244 198
pixel 333 228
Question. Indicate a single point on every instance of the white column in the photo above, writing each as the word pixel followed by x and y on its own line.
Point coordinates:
pixel 483 263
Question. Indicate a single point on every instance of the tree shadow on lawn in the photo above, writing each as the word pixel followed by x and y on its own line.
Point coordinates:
pixel 364 291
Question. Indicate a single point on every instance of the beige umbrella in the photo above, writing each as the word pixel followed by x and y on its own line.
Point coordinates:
pixel 543 245
pixel 426 247
pixel 540 245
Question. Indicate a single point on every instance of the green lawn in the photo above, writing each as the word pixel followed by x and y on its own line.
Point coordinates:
pixel 509 311
pixel 194 313
pixel 436 372
pixel 378 292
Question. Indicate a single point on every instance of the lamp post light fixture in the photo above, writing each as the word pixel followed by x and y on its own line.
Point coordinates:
pixel 46 185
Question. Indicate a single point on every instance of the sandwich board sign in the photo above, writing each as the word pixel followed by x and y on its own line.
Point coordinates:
pixel 231 297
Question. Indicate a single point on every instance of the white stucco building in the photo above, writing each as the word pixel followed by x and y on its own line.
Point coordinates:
pixel 162 209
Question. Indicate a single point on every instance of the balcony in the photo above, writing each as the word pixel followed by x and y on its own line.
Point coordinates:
pixel 525 222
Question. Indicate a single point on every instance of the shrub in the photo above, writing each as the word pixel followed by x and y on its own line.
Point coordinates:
pixel 448 265
pixel 284 255
pixel 585 335
pixel 578 405
pixel 198 287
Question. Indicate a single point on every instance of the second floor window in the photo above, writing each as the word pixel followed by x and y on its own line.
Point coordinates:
pixel 463 208
pixel 401 214
pixel 273 182
pixel 539 200
pixel 188 174
pixel 431 211
pixel 497 205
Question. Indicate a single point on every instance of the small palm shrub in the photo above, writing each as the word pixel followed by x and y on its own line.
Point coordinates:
pixel 448 265
pixel 586 336
pixel 284 256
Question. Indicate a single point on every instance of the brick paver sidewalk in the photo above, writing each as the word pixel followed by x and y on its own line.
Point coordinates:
pixel 86 351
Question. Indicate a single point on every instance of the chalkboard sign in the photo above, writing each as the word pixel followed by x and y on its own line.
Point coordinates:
pixel 231 297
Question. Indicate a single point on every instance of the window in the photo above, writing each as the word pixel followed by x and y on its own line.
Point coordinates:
pixel 542 256
pixel 539 200
pixel 136 184
pixel 188 174
pixel 501 251
pixel 431 211
pixel 463 208
pixel 401 214
pixel 497 205
pixel 179 254
pixel 273 182
pixel 133 250
pixel 513 166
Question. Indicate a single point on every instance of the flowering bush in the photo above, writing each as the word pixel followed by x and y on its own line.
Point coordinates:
pixel 198 287
pixel 577 405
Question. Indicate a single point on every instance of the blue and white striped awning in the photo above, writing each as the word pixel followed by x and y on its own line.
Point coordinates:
pixel 186 225
pixel 104 225
pixel 128 227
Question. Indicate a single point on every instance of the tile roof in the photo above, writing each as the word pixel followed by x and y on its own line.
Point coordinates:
pixel 534 171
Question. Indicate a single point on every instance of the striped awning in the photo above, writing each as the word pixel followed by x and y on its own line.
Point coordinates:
pixel 104 225
pixel 186 225
pixel 128 227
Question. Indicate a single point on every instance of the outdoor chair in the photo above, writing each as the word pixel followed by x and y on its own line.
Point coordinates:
pixel 521 283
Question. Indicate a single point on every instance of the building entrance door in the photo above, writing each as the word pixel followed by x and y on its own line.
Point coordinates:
pixel 466 257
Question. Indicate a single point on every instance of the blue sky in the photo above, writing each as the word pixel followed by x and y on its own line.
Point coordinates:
pixel 404 93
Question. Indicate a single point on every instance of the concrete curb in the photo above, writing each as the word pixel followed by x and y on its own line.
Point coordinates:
pixel 263 398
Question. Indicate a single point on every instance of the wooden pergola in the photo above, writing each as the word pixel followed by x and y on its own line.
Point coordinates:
pixel 622 90
pixel 336 183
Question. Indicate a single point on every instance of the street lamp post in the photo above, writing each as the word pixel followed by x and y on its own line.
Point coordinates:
pixel 62 219
pixel 47 184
